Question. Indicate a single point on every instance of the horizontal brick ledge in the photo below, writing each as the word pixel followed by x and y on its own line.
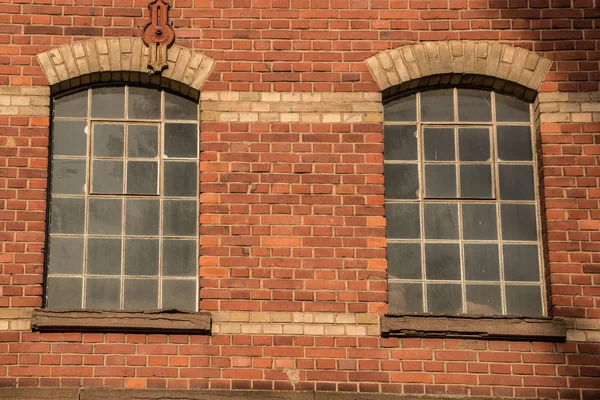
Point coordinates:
pixel 474 327
pixel 159 321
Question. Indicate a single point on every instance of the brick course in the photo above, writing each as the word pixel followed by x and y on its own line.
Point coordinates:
pixel 292 226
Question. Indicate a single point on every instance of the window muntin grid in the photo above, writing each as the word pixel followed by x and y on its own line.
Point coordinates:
pixel 455 251
pixel 134 243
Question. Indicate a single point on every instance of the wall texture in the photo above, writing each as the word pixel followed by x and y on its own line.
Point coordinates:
pixel 292 246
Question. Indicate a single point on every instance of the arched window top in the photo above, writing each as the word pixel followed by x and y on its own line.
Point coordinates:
pixel 462 208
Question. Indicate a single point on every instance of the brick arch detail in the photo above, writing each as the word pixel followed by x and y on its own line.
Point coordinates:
pixel 501 66
pixel 74 63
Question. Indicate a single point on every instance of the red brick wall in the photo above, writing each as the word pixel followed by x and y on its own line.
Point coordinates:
pixel 292 213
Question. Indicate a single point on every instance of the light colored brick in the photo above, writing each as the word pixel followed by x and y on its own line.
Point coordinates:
pixel 19 325
pixel 367 318
pixel 272 329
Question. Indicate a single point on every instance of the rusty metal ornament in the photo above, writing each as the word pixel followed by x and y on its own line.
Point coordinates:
pixel 158 35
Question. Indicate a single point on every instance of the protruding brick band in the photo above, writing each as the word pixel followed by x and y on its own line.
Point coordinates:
pixel 115 55
pixel 497 65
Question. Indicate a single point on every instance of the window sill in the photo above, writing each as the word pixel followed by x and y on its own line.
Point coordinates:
pixel 156 321
pixel 474 327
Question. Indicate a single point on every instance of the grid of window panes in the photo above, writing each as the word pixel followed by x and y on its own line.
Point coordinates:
pixel 461 204
pixel 123 200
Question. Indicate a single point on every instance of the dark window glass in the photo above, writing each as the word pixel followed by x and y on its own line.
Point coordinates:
pixel 511 109
pixel 518 222
pixel 400 142
pixel 108 102
pixel 523 300
pixel 178 107
pixel 104 256
pixel 405 297
pixel 438 144
pixel 442 261
pixel 142 141
pixel 68 176
pixel 444 298
pixel 144 103
pixel 473 144
pixel 401 181
pixel 179 293
pixel 74 105
pixel 479 222
pixel 105 216
pixel 142 177
pixel 404 260
pixel 142 217
pixel 516 182
pixel 514 143
pixel 141 294
pixel 440 181
pixel 474 105
pixel 437 105
pixel 103 293
pixel 521 262
pixel 67 215
pixel 64 292
pixel 441 221
pixel 107 176
pixel 179 218
pixel 69 138
pixel 181 179
pixel 401 109
pixel 476 181
pixel 109 140
pixel 66 255
pixel 181 140
pixel 484 299
pixel 141 256
pixel 481 262
pixel 402 220
pixel 179 257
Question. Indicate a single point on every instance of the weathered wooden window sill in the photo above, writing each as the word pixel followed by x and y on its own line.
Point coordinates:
pixel 473 327
pixel 156 321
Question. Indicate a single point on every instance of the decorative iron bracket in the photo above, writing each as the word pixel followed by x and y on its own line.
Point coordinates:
pixel 158 35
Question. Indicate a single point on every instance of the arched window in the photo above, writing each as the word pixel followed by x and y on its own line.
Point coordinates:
pixel 462 204
pixel 123 215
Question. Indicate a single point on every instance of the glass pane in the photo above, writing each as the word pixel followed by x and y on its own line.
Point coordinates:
pixel 481 262
pixel 514 143
pixel 179 218
pixel 65 255
pixel 68 176
pixel 484 299
pixel 105 216
pixel 64 292
pixel 404 260
pixel 523 300
pixel 405 297
pixel 141 256
pixel 403 221
pixel 400 142
pixel 518 222
pixel 144 103
pixel 142 217
pixel 440 181
pixel 479 222
pixel 74 105
pixel 107 176
pixel 438 144
pixel 401 181
pixel 108 102
pixel 181 179
pixel 141 294
pixel 444 298
pixel 67 215
pixel 437 105
pixel 441 221
pixel 442 261
pixel 103 293
pixel 511 109
pixel 516 182
pixel 142 177
pixel 179 257
pixel 104 256
pixel 521 262
pixel 179 294
pixel 476 182
pixel 69 138
pixel 179 107
pixel 142 141
pixel 108 140
pixel 474 144
pixel 181 140
pixel 474 105
pixel 401 109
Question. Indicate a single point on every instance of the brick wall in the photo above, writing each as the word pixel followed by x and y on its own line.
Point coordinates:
pixel 292 229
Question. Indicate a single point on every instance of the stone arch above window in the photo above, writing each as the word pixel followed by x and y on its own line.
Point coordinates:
pixel 105 60
pixel 499 66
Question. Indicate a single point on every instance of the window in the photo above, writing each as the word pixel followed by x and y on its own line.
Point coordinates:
pixel 461 204
pixel 123 215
